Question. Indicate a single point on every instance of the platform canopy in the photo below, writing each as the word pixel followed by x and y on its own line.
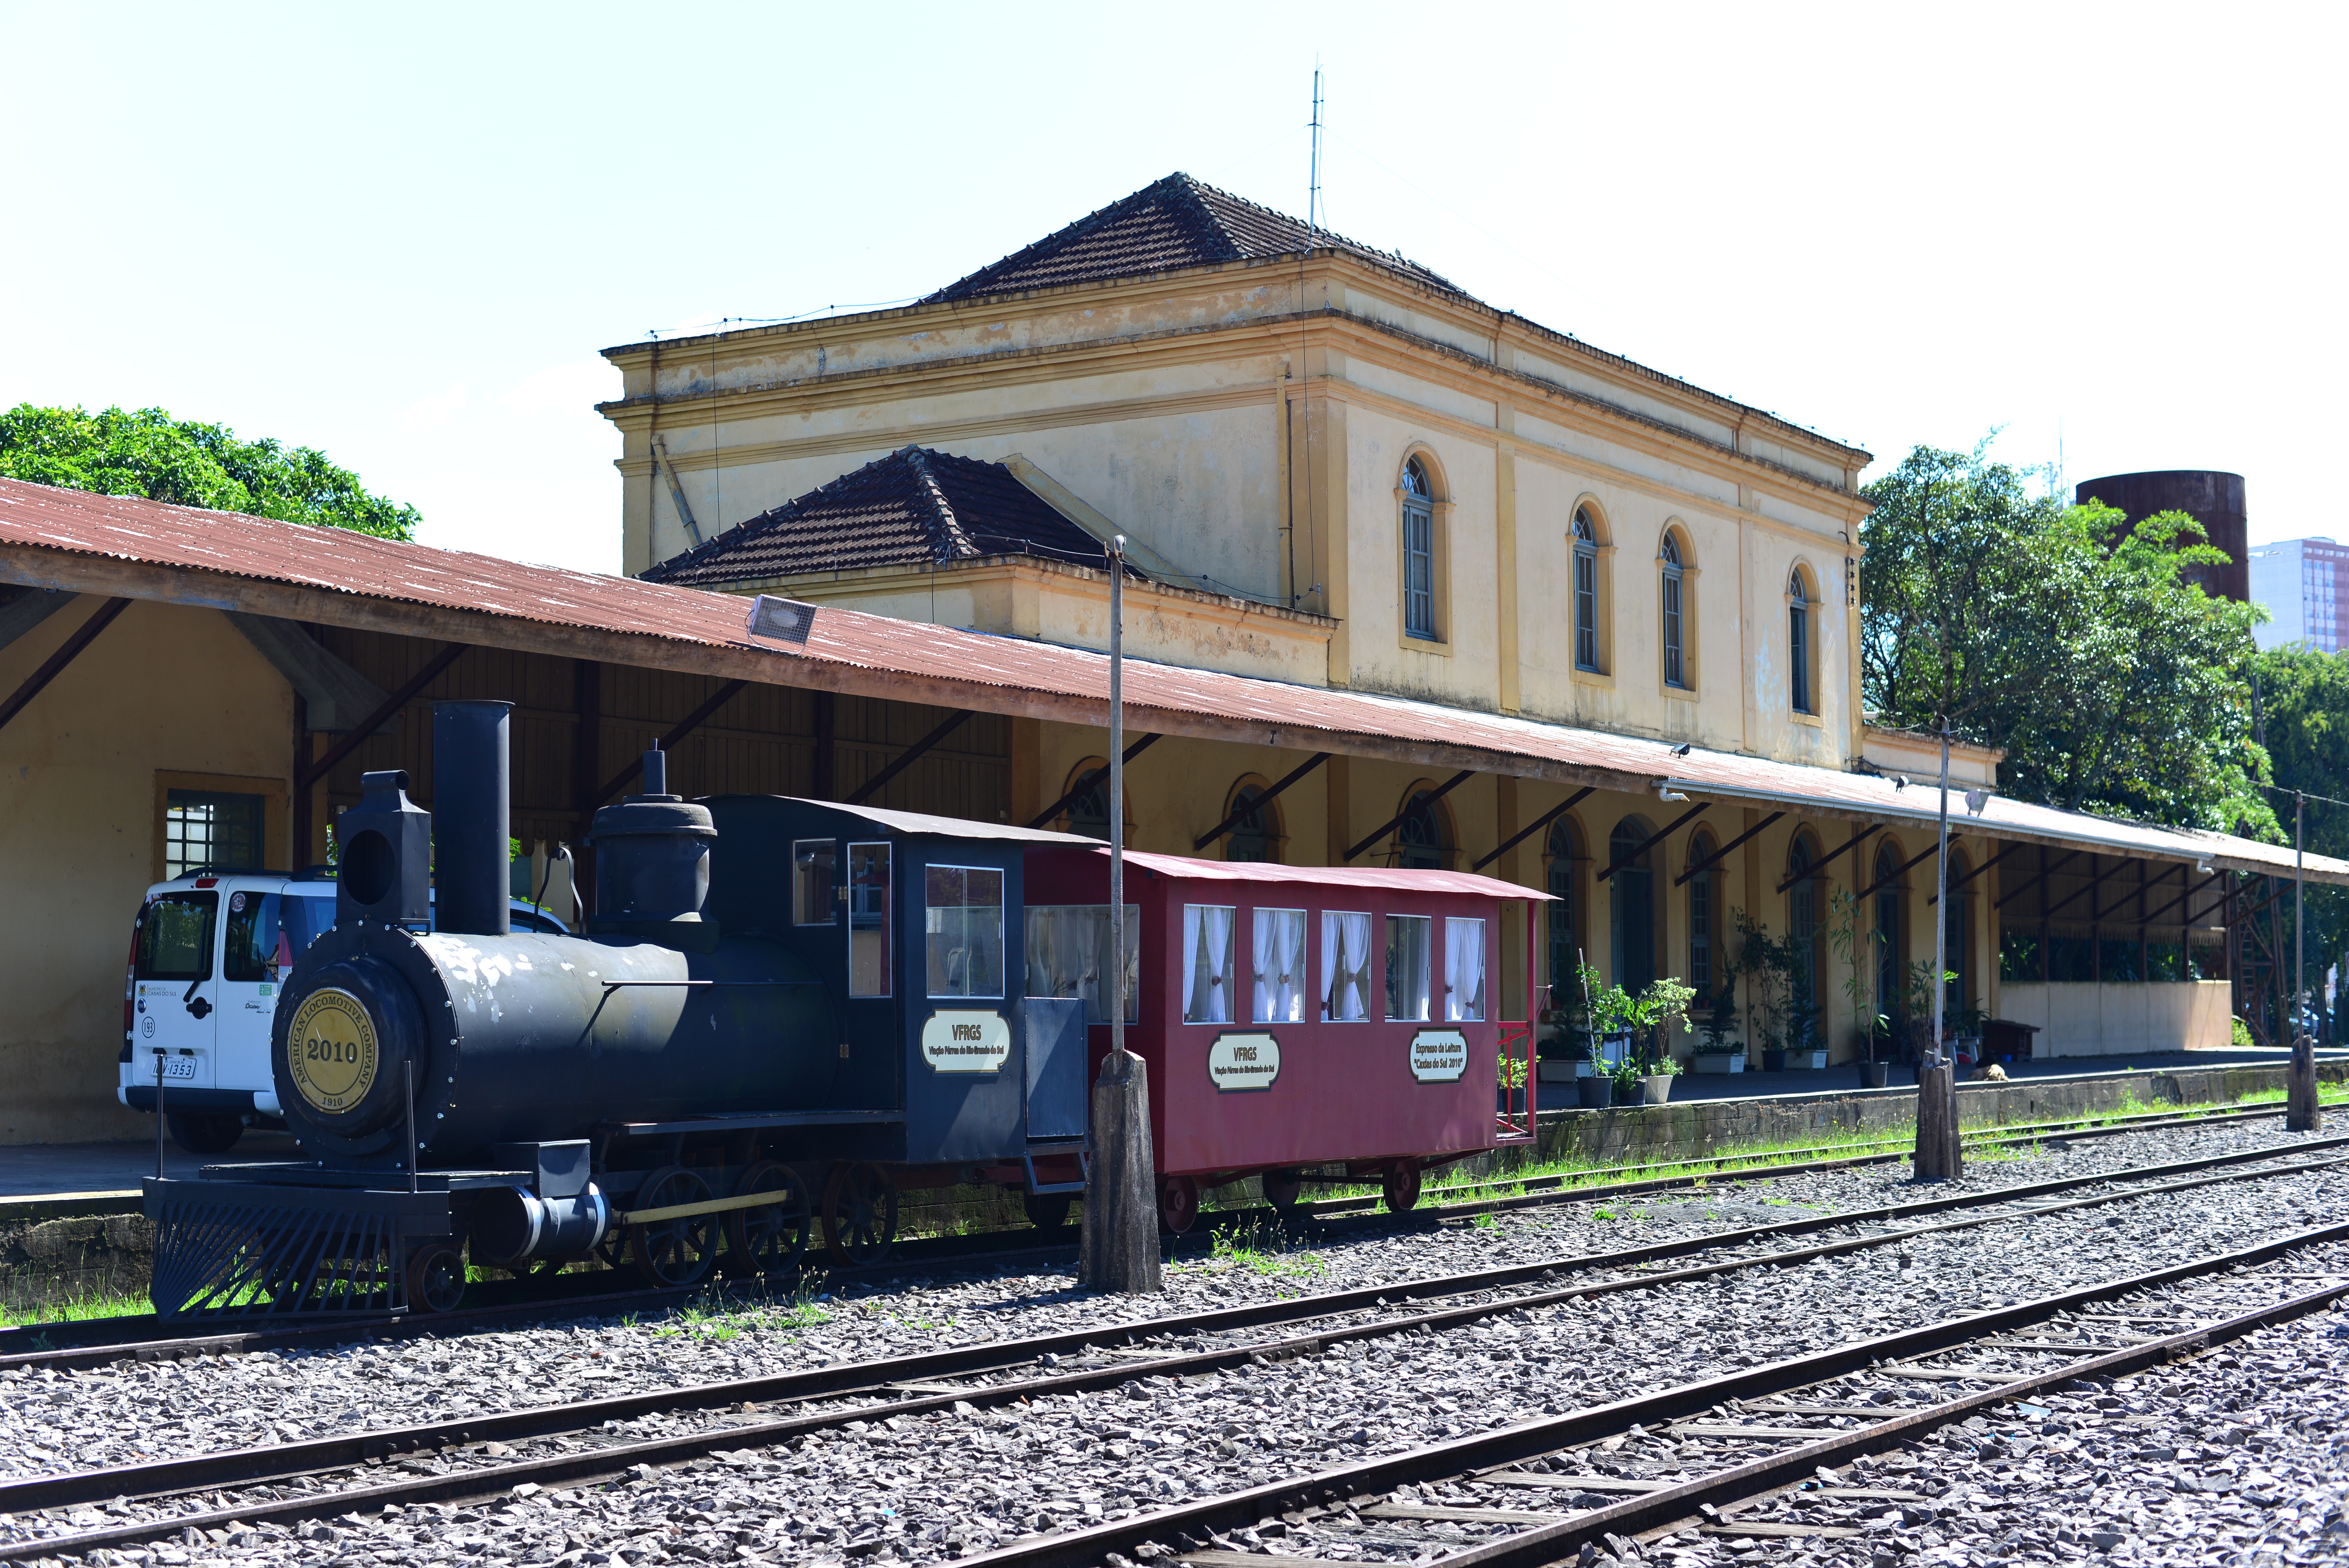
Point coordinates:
pixel 136 549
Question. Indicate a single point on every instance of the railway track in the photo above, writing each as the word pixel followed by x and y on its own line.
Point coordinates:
pixel 1778 1442
pixel 85 1343
pixel 912 1387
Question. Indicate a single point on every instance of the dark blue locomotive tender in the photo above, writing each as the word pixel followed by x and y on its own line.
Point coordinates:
pixel 783 1013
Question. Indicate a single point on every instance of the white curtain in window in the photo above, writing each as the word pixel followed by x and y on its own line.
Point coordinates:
pixel 1291 1001
pixel 1265 936
pixel 1345 954
pixel 1464 970
pixel 1208 952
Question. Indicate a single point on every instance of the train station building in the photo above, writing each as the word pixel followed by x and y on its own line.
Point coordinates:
pixel 1409 581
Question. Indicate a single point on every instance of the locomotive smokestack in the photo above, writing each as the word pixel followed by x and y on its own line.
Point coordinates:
pixel 471 821
pixel 655 772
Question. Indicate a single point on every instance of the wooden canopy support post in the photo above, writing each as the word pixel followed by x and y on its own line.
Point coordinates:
pixel 1234 820
pixel 384 713
pixel 1957 883
pixel 1723 853
pixel 685 726
pixel 53 666
pixel 1086 782
pixel 1825 860
pixel 1538 823
pixel 1900 871
pixel 586 761
pixel 1682 820
pixel 2047 868
pixel 905 760
pixel 1433 795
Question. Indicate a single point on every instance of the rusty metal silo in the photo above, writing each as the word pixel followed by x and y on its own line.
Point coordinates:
pixel 2212 498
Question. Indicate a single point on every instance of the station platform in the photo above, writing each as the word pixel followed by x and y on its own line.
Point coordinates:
pixel 103 1178
pixel 1845 1079
pixel 47 1180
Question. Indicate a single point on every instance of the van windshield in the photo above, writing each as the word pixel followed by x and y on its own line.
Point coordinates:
pixel 175 937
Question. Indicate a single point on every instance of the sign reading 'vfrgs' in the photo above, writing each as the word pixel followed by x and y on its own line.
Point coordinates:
pixel 967 1042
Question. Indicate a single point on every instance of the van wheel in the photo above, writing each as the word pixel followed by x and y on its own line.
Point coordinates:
pixel 202 1132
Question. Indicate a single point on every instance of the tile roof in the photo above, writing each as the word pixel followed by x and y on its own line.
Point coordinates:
pixel 74 540
pixel 913 507
pixel 1176 222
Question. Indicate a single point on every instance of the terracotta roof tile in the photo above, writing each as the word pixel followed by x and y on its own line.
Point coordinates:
pixel 913 507
pixel 1176 222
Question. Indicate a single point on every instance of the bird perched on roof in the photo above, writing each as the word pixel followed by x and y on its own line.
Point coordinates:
pixel 1682 748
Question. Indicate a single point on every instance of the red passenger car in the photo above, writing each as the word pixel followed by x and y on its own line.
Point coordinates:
pixel 1294 1016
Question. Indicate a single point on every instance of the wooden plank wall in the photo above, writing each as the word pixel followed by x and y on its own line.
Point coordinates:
pixel 761 741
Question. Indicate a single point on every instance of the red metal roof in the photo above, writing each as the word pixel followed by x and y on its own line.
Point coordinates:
pixel 43 530
pixel 1461 883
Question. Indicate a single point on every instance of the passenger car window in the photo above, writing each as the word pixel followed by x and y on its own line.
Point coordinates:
pixel 175 937
pixel 1407 955
pixel 1345 967
pixel 1207 963
pixel 811 900
pixel 868 920
pixel 963 931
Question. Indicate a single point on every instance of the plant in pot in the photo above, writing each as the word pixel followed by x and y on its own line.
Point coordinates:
pixel 1610 1012
pixel 1717 1022
pixel 1652 1017
pixel 1770 1000
pixel 1918 991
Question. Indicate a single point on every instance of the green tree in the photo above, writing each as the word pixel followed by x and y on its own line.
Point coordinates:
pixel 2065 635
pixel 148 453
pixel 2304 712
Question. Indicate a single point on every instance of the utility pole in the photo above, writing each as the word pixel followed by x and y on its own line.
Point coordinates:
pixel 2301 1112
pixel 1119 1248
pixel 1937 1157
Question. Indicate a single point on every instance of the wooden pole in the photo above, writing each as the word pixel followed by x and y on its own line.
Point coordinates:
pixel 1119 1247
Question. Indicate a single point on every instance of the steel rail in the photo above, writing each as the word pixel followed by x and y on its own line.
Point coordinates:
pixel 265 1336
pixel 285 1461
pixel 1533 1439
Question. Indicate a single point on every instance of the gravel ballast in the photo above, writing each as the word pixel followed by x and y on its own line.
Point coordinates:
pixel 927 1489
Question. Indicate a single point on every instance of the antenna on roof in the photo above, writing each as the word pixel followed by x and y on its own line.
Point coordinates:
pixel 1313 188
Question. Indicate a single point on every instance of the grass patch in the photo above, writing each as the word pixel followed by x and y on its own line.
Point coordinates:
pixel 79 1309
pixel 1264 1251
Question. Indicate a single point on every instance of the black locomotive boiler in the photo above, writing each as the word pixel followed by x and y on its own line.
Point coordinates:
pixel 782 1013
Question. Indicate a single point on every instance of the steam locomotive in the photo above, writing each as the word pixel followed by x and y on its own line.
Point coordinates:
pixel 784 1014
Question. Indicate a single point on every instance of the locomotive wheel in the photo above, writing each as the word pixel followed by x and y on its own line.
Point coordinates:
pixel 859 1213
pixel 1400 1186
pixel 1047 1211
pixel 1179 1203
pixel 770 1240
pixel 436 1277
pixel 671 1254
pixel 1282 1188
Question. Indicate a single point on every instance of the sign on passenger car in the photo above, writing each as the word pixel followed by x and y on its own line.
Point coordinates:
pixel 967 1042
pixel 1439 1055
pixel 1244 1061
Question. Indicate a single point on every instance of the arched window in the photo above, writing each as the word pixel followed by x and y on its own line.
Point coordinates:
pixel 1674 581
pixel 1257 836
pixel 1424 842
pixel 1888 950
pixel 1798 643
pixel 1633 908
pixel 1418 553
pixel 1803 932
pixel 1089 812
pixel 1586 590
pixel 1564 881
pixel 1705 918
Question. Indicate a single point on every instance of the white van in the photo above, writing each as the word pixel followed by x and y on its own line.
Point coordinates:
pixel 207 953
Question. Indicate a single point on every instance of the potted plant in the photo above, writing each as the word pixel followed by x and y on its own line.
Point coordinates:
pixel 1771 1012
pixel 1875 1069
pixel 1629 1083
pixel 1596 1090
pixel 1857 951
pixel 1649 1018
pixel 1720 1053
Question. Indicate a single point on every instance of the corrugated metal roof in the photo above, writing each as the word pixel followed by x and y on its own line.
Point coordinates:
pixel 990 673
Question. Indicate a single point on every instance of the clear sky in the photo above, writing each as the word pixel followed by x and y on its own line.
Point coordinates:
pixel 401 234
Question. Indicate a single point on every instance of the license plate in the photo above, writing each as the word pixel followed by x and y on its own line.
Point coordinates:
pixel 176 1066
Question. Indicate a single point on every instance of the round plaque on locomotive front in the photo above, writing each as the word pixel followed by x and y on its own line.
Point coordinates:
pixel 331 1049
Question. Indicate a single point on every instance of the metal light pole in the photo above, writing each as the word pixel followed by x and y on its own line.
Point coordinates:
pixel 1119 1248
pixel 1937 1081
pixel 2301 1113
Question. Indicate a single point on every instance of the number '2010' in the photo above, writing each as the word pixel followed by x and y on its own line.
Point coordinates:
pixel 318 1049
